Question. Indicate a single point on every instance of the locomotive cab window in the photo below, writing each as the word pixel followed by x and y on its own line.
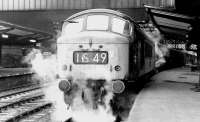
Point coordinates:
pixel 73 26
pixel 97 22
pixel 120 26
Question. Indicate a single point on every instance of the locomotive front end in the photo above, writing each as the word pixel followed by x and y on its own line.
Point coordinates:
pixel 93 55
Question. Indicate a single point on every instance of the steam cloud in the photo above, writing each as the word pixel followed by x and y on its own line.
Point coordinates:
pixel 45 68
pixel 161 50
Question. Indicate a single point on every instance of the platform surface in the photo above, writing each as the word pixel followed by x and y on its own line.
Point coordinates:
pixel 14 71
pixel 168 98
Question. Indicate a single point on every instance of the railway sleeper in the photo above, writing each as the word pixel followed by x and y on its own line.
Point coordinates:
pixel 19 102
pixel 30 112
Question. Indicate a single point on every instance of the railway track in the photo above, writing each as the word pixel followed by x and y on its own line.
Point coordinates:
pixel 24 106
pixel 16 81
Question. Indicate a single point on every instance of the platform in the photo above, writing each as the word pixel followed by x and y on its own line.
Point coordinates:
pixel 168 98
pixel 13 78
pixel 5 72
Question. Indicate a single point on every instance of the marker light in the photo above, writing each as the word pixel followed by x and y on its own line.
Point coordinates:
pixel 117 68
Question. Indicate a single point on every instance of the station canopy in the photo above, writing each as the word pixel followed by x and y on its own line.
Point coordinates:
pixel 19 35
pixel 174 25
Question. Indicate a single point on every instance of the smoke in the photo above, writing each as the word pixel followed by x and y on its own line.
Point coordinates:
pixel 86 115
pixel 43 65
pixel 84 104
pixel 161 50
pixel 72 105
pixel 45 68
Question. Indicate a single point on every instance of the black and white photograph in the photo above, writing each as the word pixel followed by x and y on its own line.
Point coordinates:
pixel 99 61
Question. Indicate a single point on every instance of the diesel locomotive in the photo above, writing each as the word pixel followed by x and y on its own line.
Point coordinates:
pixel 104 48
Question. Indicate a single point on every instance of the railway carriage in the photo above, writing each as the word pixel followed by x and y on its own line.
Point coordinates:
pixel 103 47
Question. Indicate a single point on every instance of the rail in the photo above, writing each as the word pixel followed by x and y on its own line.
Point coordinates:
pixel 15 107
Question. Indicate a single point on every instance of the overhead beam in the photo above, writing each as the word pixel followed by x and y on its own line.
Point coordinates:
pixel 35 35
pixel 6 30
pixel 44 38
pixel 23 28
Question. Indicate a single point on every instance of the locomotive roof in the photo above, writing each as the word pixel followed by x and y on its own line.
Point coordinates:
pixel 108 11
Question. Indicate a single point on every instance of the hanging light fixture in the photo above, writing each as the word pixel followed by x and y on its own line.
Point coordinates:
pixel 32 40
pixel 5 36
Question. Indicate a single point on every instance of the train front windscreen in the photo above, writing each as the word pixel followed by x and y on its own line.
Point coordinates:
pixel 97 23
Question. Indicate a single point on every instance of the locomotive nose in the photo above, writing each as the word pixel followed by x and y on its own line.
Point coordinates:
pixel 118 86
pixel 64 85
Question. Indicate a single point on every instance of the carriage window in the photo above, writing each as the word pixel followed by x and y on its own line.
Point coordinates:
pixel 74 26
pixel 97 22
pixel 120 26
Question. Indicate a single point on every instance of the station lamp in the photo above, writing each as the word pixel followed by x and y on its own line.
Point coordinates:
pixel 5 36
pixel 32 40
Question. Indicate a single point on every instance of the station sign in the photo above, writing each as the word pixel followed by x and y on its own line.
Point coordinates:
pixel 192 47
